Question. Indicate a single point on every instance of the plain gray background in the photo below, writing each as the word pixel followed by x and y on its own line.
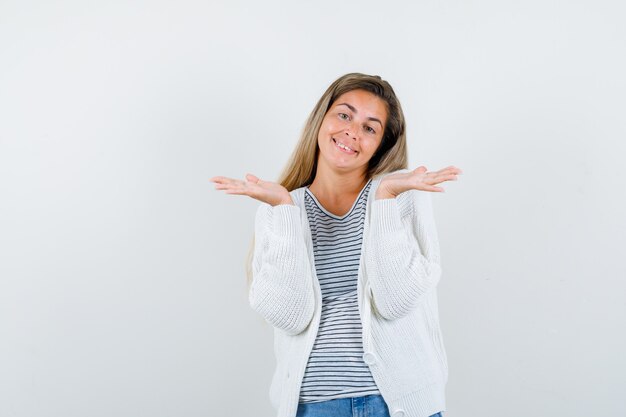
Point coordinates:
pixel 122 289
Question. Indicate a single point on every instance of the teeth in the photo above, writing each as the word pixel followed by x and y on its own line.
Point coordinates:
pixel 341 145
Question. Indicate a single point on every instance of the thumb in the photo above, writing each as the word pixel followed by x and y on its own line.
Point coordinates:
pixel 420 170
pixel 252 178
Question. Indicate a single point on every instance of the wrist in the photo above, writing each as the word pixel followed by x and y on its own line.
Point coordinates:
pixel 383 194
pixel 286 200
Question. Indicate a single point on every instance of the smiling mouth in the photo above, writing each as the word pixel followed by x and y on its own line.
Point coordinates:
pixel 344 148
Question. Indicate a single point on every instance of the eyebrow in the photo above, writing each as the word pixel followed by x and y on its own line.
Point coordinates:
pixel 354 110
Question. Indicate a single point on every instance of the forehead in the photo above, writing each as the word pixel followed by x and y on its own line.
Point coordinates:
pixel 366 104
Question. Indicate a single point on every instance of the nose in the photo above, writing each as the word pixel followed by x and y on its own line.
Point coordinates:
pixel 350 132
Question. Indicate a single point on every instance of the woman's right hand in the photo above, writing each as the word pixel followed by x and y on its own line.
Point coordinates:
pixel 265 191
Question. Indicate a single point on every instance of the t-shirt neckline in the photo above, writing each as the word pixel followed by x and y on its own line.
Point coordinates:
pixel 334 216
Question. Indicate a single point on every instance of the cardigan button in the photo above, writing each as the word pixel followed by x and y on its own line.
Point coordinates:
pixel 398 413
pixel 369 358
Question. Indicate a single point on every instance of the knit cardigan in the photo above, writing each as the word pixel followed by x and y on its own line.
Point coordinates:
pixel 398 273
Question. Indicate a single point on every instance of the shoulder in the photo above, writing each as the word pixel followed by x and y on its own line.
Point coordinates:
pixel 297 195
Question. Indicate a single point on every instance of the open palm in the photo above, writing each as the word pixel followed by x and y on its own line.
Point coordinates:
pixel 419 179
pixel 265 191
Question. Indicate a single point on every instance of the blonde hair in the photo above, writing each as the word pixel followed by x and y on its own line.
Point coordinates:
pixel 391 154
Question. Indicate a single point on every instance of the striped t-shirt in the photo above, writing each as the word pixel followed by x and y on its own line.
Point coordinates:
pixel 335 368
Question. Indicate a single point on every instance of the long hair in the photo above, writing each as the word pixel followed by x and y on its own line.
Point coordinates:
pixel 390 156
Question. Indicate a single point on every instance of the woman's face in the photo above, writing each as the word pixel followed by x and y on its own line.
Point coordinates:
pixel 352 130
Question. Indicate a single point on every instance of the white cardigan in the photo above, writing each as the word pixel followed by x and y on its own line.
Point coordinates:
pixel 398 275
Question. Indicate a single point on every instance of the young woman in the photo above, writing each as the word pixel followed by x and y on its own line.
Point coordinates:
pixel 346 262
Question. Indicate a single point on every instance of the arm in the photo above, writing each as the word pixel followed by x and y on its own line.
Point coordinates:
pixel 403 258
pixel 282 286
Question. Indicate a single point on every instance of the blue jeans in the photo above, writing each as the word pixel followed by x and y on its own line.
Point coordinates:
pixel 367 406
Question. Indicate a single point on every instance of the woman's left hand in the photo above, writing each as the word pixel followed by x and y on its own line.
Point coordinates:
pixel 419 179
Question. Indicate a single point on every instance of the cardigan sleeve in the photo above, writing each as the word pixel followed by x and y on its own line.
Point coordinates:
pixel 403 260
pixel 282 286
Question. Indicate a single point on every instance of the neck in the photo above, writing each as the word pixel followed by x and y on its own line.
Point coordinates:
pixel 335 184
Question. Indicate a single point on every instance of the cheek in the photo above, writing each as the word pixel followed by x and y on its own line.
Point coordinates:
pixel 372 144
pixel 324 129
pixel 328 126
pixel 322 135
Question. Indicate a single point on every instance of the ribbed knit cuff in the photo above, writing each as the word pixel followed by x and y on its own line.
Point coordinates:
pixel 386 216
pixel 285 219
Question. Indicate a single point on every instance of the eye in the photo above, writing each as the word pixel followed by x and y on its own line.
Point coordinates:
pixel 369 129
pixel 341 115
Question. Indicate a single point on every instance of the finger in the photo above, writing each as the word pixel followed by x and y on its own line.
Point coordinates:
pixel 252 178
pixel 440 179
pixel 239 190
pixel 451 170
pixel 222 180
pixel 239 187
pixel 442 171
pixel 448 168
pixel 229 184
pixel 249 189
pixel 449 177
pixel 236 192
pixel 434 189
pixel 446 172
pixel 428 183
pixel 227 181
